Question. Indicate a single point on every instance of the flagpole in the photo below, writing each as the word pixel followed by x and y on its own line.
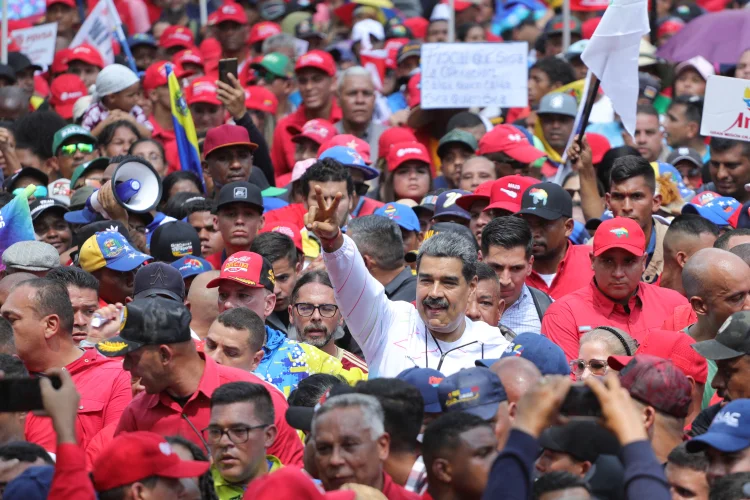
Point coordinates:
pixel 566 25
pixel 204 12
pixel 5 42
pixel 590 98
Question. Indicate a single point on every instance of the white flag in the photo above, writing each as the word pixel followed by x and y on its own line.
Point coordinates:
pixel 97 30
pixel 612 55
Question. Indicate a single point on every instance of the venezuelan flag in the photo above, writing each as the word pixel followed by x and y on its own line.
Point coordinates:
pixel 15 221
pixel 184 129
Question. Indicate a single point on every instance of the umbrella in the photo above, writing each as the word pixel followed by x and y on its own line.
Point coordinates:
pixel 720 37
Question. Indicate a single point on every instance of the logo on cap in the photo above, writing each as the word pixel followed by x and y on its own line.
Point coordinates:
pixel 283 230
pixel 191 264
pixel 732 419
pixel 538 195
pixel 406 151
pixel 620 232
pixel 271 276
pixel 514 349
pixel 240 192
pixel 515 137
pixel 181 249
pixel 390 211
pixel 165 448
pixel 457 396
pixel 557 101
pixel 112 248
pixel 109 346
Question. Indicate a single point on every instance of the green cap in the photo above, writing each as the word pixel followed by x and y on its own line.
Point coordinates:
pixel 277 64
pixel 96 164
pixel 78 200
pixel 731 341
pixel 69 131
pixel 457 136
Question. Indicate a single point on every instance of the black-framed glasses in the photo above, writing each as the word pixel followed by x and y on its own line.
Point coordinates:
pixel 596 366
pixel 306 310
pixel 237 435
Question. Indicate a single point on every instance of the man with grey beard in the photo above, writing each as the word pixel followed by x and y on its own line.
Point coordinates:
pixel 316 319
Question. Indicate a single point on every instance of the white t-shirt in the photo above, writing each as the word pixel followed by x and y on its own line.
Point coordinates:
pixel 548 278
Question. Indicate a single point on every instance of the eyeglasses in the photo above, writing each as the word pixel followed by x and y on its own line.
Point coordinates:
pixel 596 366
pixel 326 310
pixel 70 149
pixel 237 435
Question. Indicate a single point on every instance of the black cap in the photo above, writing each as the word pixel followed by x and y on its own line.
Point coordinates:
pixel 240 192
pixel 90 230
pixel 32 172
pixel 20 62
pixel 40 205
pixel 411 49
pixel 173 240
pixel 7 72
pixel 648 86
pixel 301 417
pixel 546 200
pixel 731 341
pixel 145 322
pixel 159 279
pixel 583 440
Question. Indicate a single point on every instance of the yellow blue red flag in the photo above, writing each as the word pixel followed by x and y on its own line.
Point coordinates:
pixel 184 129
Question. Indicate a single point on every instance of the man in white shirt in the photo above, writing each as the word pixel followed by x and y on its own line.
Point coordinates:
pixel 396 335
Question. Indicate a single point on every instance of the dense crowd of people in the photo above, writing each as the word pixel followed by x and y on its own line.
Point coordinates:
pixel 356 297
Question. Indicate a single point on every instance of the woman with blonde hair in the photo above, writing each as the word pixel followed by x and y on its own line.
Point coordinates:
pixel 596 346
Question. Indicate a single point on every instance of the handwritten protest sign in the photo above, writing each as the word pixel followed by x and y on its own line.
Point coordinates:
pixel 466 75
pixel 37 42
pixel 726 108
pixel 97 30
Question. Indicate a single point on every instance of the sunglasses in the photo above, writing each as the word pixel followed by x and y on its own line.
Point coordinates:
pixel 70 149
pixel 596 366
pixel 268 77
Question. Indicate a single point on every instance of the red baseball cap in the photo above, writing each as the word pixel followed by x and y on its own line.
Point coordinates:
pixel 317 59
pixel 674 346
pixel 263 30
pixel 190 56
pixel 226 135
pixel 176 36
pixel 506 192
pixel 402 152
pixel 349 141
pixel 511 141
pixel 316 130
pixel 414 91
pixel 588 5
pixel 589 26
pixel 599 145
pixel 392 136
pixel 246 268
pixel 461 5
pixel 288 228
pixel 65 90
pixel 60 61
pixel 202 89
pixel 230 12
pixel 155 76
pixel 134 456
pixel 87 54
pixel 211 49
pixel 482 192
pixel 261 99
pixel 619 232
pixel 69 3
pixel 291 482
pixel 417 26
pixel 657 382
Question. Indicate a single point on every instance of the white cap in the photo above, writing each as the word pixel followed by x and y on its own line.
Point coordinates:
pixel 364 29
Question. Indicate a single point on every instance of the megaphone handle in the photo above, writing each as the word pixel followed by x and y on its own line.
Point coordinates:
pixel 96 206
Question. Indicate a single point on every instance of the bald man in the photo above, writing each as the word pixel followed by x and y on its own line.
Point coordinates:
pixel 686 235
pixel 518 375
pixel 203 303
pixel 11 280
pixel 14 103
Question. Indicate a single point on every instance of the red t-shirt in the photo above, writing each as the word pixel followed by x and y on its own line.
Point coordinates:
pixel 573 272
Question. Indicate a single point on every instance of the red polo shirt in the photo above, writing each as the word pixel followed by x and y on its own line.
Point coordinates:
pixel 161 414
pixel 393 491
pixel 680 318
pixel 105 392
pixel 573 272
pixel 282 152
pixel 569 318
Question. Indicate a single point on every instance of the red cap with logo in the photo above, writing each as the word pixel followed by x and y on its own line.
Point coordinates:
pixel 285 227
pixel 481 193
pixel 230 11
pixel 135 456
pixel 348 140
pixel 511 141
pixel 226 135
pixel 619 232
pixel 202 89
pixel 60 61
pixel 401 152
pixel 316 130
pixel 188 56
pixel 65 91
pixel 317 59
pixel 674 346
pixel 155 76
pixel 246 268
pixel 263 30
pixel 506 192
pixel 261 99
pixel 701 199
pixel 87 54
pixel 176 36
pixel 392 136
pixel 588 5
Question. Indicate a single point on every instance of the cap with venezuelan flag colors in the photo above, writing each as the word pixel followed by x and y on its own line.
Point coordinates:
pixel 110 249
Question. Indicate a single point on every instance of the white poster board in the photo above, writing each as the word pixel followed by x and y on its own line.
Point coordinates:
pixel 97 30
pixel 726 108
pixel 37 42
pixel 467 75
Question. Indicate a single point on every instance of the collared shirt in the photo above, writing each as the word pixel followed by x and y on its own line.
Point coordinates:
pixel 403 286
pixel 230 491
pixel 417 480
pixel 98 112
pixel 569 318
pixel 105 392
pixel 521 316
pixel 371 135
pixel 573 272
pixel 392 335
pixel 161 414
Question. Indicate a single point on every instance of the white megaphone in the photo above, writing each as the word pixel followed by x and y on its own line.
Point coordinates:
pixel 137 188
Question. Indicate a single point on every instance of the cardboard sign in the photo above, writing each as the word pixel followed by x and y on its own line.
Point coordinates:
pixel 726 108
pixel 467 75
pixel 37 42
pixel 97 30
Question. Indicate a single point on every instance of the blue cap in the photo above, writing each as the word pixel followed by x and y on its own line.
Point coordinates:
pixel 33 483
pixel 400 214
pixel 473 390
pixel 141 39
pixel 719 210
pixel 545 354
pixel 427 381
pixel 190 265
pixel 729 431
pixel 110 249
pixel 350 158
pixel 270 203
pixel 446 204
pixel 83 216
pixel 665 168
